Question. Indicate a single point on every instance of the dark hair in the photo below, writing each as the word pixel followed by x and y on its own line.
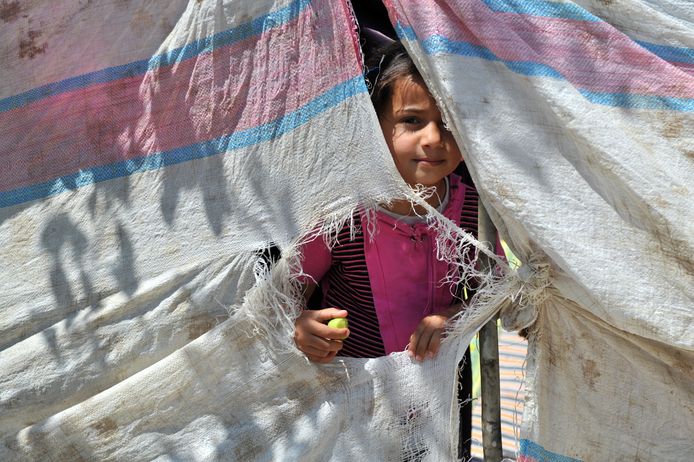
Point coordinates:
pixel 387 64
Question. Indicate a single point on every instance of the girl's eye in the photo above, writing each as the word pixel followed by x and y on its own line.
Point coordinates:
pixel 410 121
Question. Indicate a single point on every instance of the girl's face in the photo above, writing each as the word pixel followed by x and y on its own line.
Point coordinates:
pixel 423 150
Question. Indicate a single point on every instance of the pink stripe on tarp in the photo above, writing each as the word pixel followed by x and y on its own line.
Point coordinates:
pixel 590 54
pixel 230 89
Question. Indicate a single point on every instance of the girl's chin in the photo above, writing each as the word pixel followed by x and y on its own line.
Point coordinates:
pixel 419 184
pixel 427 183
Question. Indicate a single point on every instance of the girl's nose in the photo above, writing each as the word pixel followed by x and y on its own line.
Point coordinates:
pixel 432 135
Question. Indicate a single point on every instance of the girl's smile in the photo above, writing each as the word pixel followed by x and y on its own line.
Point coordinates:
pixel 429 162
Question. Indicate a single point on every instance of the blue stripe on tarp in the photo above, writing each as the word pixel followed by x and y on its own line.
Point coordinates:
pixel 405 32
pixel 540 454
pixel 207 44
pixel 668 53
pixel 230 142
pixel 632 101
pixel 437 44
pixel 542 8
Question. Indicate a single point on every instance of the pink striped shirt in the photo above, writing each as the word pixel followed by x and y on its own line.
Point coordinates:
pixel 388 284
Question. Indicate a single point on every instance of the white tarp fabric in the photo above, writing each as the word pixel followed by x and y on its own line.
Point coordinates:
pixel 149 150
pixel 578 123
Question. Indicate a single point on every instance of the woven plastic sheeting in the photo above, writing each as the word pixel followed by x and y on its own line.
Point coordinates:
pixel 577 123
pixel 150 151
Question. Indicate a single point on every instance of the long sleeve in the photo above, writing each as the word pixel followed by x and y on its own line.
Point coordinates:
pixel 316 260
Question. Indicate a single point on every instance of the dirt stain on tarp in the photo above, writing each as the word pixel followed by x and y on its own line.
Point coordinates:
pixel 9 11
pixel 105 426
pixel 28 46
pixel 673 128
pixel 143 20
pixel 661 202
pixel 199 324
pixel 84 5
pixel 296 391
pixel 590 372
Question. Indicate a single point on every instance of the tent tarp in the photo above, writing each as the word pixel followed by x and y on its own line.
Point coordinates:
pixel 150 150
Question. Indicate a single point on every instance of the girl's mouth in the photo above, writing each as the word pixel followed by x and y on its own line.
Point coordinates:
pixel 429 162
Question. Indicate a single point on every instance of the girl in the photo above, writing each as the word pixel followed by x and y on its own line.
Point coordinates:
pixel 390 286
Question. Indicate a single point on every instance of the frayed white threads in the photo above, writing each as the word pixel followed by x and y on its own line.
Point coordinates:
pixel 531 290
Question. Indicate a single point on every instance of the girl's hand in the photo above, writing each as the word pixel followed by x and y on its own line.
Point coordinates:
pixel 426 339
pixel 316 340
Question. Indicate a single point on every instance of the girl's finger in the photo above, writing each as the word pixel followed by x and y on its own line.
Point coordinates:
pixel 323 344
pixel 414 339
pixel 321 360
pixel 326 314
pixel 434 343
pixel 423 345
pixel 419 341
pixel 329 334
pixel 310 338
pixel 316 352
pixel 319 328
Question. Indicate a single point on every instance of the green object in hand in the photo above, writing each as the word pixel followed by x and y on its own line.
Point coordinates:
pixel 338 323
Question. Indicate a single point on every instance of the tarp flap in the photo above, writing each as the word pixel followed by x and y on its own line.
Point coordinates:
pixel 149 151
pixel 577 123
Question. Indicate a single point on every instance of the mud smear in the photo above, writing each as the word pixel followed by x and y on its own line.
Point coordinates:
pixel 590 372
pixel 9 11
pixel 199 324
pixel 142 20
pixel 28 46
pixel 673 129
pixel 105 426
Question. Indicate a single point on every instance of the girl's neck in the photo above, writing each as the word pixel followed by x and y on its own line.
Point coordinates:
pixel 407 208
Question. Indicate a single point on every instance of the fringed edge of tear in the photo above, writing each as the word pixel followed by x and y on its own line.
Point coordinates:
pixel 461 251
pixel 499 287
pixel 278 288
